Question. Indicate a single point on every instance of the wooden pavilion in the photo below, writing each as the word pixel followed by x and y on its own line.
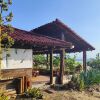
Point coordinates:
pixel 17 68
pixel 54 37
pixel 59 30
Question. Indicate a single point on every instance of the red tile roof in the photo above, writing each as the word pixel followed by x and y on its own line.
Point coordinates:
pixel 53 29
pixel 35 39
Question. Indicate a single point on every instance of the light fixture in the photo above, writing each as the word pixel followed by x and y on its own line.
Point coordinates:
pixel 72 47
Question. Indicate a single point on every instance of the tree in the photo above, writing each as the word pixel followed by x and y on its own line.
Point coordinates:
pixel 95 63
pixel 56 61
pixel 39 60
pixel 71 64
pixel 6 41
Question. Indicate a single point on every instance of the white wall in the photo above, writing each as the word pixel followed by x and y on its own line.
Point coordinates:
pixel 19 58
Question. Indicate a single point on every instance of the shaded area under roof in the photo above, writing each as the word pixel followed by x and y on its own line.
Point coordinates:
pixel 55 28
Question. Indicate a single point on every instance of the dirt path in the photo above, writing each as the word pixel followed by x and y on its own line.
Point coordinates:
pixel 64 95
pixel 70 95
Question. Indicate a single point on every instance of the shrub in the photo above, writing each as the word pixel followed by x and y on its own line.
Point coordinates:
pixel 92 77
pixel 39 60
pixel 74 83
pixel 95 63
pixel 85 79
pixel 81 85
pixel 71 65
pixel 3 97
pixel 34 93
pixel 56 61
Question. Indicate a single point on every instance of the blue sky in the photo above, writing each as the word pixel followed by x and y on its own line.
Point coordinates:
pixel 83 16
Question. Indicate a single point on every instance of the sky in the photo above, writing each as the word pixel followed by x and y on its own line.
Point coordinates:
pixel 83 16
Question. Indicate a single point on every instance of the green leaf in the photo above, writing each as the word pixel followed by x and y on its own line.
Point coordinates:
pixel 10 2
pixel 1 1
pixel 4 6
pixel 10 14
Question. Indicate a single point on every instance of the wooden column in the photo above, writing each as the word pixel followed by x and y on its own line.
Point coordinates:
pixel 47 61
pixel 51 66
pixel 23 80
pixel 84 60
pixel 25 83
pixel 21 85
pixel 62 65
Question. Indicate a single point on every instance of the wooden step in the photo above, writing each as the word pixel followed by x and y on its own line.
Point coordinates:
pixel 10 92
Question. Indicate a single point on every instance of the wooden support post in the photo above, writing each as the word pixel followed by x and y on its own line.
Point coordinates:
pixel 21 85
pixel 25 83
pixel 84 60
pixel 47 61
pixel 51 66
pixel 62 65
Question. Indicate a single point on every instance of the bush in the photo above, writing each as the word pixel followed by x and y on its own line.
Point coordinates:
pixel 85 79
pixel 34 93
pixel 95 63
pixel 39 60
pixel 3 97
pixel 71 65
pixel 74 83
pixel 91 77
pixel 56 61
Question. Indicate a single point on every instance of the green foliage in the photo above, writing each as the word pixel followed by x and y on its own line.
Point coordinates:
pixel 42 60
pixel 5 31
pixel 56 61
pixel 3 97
pixel 85 79
pixel 95 63
pixel 4 7
pixel 92 77
pixel 9 17
pixel 71 63
pixel 34 93
pixel 6 41
pixel 81 82
pixel 39 60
